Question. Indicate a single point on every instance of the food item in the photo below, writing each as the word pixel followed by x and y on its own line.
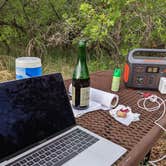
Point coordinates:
pixel 121 114
pixel 124 110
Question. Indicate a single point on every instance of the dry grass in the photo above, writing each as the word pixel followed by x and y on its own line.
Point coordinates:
pixel 6 62
pixel 6 75
pixel 65 70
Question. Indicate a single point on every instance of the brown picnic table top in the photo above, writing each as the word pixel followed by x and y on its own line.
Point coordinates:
pixel 139 137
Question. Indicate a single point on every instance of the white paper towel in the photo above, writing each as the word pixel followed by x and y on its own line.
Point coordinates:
pixel 108 100
pixel 131 117
pixel 92 107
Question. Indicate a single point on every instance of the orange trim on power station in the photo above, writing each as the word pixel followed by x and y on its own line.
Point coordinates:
pixel 126 73
pixel 152 60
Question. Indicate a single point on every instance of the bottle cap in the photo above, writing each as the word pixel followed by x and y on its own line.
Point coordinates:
pixel 28 62
pixel 117 72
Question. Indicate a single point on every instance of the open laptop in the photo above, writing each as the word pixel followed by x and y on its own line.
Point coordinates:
pixel 37 127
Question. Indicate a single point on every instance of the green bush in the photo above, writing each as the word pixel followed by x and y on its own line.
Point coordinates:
pixel 111 28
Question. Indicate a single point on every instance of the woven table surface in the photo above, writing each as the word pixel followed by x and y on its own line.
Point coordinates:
pixel 131 137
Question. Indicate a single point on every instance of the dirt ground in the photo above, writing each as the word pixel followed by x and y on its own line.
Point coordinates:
pixel 159 150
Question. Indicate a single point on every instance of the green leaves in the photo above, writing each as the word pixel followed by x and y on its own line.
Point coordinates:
pixel 111 26
pixel 86 8
pixel 94 20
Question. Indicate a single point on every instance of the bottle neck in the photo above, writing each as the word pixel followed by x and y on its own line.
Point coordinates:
pixel 82 54
pixel 81 69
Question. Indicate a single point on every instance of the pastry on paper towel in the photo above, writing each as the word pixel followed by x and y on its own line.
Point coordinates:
pixel 121 114
pixel 127 117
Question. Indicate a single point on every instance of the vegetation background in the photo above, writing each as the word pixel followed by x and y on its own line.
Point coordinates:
pixel 51 29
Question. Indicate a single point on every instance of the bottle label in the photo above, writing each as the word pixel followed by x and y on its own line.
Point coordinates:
pixel 115 84
pixel 84 96
pixel 22 72
pixel 73 95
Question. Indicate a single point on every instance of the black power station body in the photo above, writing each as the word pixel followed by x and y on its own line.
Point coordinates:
pixel 144 68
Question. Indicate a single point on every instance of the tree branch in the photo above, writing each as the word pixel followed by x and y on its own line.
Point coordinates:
pixel 3 4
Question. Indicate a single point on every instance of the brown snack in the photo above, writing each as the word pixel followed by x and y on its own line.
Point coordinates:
pixel 121 114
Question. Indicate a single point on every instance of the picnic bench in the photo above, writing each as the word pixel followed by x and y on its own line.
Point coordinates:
pixel 139 137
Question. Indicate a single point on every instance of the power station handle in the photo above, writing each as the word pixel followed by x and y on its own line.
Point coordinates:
pixel 131 53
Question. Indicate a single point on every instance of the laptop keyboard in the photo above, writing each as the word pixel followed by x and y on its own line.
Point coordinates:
pixel 59 151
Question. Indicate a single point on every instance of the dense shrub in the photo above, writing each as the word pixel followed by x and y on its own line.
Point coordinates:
pixel 110 27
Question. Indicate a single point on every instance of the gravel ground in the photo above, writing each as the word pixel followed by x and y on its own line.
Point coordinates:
pixel 159 150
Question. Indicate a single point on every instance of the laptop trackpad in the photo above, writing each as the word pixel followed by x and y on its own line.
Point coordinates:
pixel 87 159
pixel 98 154
pixel 102 153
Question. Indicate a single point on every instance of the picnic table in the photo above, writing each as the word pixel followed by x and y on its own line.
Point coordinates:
pixel 139 137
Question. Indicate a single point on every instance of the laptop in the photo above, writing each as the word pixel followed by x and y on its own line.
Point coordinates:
pixel 37 127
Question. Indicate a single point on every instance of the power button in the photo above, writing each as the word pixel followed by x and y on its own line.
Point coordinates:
pixel 140 80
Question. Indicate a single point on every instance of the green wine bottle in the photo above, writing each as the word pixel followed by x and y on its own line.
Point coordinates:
pixel 81 80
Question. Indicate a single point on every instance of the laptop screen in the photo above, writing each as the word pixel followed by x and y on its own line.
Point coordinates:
pixel 31 110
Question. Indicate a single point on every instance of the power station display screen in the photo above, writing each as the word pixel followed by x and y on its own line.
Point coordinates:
pixel 149 54
pixel 151 69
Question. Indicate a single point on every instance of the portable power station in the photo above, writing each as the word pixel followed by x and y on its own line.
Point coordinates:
pixel 144 68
